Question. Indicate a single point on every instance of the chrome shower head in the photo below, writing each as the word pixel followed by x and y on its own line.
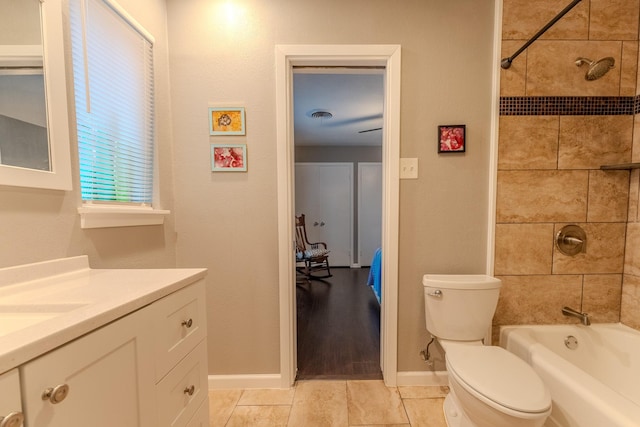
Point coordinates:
pixel 596 69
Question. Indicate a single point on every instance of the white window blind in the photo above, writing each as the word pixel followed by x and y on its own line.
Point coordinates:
pixel 114 99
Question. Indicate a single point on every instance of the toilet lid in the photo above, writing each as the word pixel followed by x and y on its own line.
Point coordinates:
pixel 499 376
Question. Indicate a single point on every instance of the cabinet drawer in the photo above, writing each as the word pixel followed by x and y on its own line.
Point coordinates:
pixel 183 389
pixel 10 393
pixel 179 326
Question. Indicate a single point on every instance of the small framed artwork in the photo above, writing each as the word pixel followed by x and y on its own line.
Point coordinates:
pixel 226 121
pixel 452 139
pixel 228 157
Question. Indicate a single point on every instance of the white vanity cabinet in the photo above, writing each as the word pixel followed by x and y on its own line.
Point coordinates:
pixel 146 369
pixel 107 374
pixel 10 405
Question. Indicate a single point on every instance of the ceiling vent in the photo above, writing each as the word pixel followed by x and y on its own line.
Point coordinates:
pixel 321 114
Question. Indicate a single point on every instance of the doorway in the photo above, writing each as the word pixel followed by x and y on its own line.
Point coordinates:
pixel 387 56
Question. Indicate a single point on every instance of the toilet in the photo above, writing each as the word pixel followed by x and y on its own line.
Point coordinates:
pixel 489 387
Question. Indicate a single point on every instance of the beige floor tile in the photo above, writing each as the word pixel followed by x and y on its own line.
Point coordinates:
pixel 260 416
pixel 425 412
pixel 423 392
pixel 266 397
pixel 319 404
pixel 221 405
pixel 371 402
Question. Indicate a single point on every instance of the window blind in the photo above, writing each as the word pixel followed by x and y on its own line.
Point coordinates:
pixel 114 99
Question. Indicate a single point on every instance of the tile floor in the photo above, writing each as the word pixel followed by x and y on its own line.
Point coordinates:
pixel 329 403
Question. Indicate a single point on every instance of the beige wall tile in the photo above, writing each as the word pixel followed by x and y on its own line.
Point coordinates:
pixel 319 403
pixel 536 299
pixel 629 68
pixel 528 142
pixel 521 19
pixel 373 402
pixel 608 196
pixel 636 139
pixel 542 196
pixel 512 80
pixel 551 68
pixel 634 195
pixel 523 249
pixel 632 250
pixel 605 251
pixel 601 295
pixel 587 142
pixel 630 309
pixel 614 20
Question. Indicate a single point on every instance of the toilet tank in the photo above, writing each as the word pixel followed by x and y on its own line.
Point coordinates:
pixel 460 307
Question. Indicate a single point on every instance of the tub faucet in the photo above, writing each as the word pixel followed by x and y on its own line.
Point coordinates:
pixel 584 317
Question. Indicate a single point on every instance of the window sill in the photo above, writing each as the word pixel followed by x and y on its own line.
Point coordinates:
pixel 115 216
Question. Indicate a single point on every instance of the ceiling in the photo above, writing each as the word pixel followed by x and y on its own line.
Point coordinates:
pixel 355 98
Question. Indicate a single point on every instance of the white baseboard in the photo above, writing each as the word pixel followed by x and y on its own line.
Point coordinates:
pixel 245 381
pixel 424 378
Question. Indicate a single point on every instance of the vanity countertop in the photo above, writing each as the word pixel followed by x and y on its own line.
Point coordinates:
pixel 45 305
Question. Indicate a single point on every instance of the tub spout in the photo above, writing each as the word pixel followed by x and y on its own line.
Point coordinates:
pixel 584 317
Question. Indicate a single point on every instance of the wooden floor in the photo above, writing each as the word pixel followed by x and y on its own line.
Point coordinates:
pixel 338 327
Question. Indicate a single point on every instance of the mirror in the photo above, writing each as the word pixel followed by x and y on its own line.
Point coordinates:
pixel 34 131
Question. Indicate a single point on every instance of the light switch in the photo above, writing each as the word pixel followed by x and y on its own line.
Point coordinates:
pixel 409 168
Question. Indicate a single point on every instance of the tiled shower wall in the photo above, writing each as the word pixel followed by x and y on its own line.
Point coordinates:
pixel 556 130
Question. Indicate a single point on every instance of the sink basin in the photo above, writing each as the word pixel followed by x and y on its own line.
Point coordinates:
pixel 14 317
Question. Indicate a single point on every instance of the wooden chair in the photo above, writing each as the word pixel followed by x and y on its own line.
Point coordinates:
pixel 314 256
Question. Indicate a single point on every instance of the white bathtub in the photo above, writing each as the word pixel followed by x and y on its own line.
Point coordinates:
pixel 597 384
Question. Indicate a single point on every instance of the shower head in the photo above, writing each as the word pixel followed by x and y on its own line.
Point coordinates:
pixel 596 69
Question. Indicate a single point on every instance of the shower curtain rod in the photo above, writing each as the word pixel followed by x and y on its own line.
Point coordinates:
pixel 506 62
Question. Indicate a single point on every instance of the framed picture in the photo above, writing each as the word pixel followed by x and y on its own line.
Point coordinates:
pixel 228 157
pixel 226 121
pixel 452 139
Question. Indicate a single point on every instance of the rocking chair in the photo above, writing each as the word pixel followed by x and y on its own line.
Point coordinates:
pixel 314 256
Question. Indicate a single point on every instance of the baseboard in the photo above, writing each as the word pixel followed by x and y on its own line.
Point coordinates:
pixel 245 381
pixel 424 378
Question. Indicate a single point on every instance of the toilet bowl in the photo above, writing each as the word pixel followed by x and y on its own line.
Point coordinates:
pixel 492 387
pixel 489 387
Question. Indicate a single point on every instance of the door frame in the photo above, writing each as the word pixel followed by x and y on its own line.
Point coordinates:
pixel 287 57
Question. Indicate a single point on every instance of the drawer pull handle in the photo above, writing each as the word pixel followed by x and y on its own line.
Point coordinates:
pixel 14 419
pixel 56 394
pixel 187 323
pixel 190 390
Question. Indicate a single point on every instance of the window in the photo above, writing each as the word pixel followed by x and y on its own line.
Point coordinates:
pixel 114 100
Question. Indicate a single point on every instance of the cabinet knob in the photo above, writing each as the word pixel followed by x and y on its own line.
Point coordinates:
pixel 14 419
pixel 190 390
pixel 187 323
pixel 56 394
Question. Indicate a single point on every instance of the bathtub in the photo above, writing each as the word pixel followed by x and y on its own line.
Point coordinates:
pixel 594 379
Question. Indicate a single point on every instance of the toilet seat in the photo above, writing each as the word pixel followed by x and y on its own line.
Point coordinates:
pixel 498 378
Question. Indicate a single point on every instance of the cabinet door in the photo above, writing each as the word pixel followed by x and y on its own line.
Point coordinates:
pixel 109 374
pixel 324 193
pixel 10 394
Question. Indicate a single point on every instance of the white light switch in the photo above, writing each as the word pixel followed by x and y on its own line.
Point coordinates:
pixel 409 168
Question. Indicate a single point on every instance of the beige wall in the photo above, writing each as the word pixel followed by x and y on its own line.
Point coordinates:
pixel 228 222
pixel 549 167
pixel 37 225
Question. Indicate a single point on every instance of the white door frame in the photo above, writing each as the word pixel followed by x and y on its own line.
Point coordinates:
pixel 288 56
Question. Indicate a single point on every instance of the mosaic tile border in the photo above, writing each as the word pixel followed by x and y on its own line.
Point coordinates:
pixel 569 105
